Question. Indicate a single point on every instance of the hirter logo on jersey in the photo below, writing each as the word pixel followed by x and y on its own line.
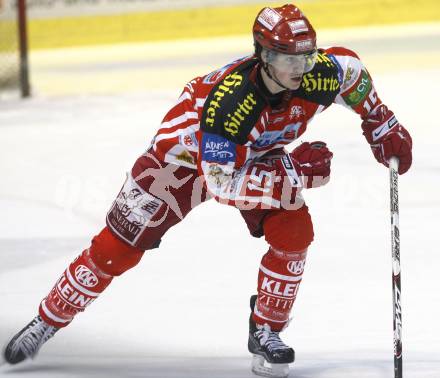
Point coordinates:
pixel 322 84
pixel 239 114
pixel 224 90
pixel 318 83
pixel 233 106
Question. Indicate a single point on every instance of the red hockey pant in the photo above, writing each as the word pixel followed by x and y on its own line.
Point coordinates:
pixel 155 197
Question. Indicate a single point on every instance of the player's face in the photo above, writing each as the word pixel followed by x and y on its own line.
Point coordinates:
pixel 291 80
pixel 289 69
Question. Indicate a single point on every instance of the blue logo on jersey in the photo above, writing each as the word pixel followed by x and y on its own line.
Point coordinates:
pixel 288 134
pixel 217 149
pixel 340 70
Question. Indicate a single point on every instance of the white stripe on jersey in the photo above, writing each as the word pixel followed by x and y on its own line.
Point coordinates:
pixel 200 102
pixel 255 134
pixel 178 120
pixel 187 130
pixel 184 96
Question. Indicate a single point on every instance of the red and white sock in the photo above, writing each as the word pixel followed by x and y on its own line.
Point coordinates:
pixel 279 278
pixel 80 284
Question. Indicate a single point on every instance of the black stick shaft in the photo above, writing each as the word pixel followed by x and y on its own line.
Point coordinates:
pixel 395 252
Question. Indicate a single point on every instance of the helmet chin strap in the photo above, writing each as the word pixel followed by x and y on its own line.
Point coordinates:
pixel 273 77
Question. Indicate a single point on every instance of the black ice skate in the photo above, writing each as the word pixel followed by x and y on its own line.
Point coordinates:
pixel 28 341
pixel 271 357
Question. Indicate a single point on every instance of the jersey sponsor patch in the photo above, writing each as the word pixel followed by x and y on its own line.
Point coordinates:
pixel 217 175
pixel 360 90
pixel 132 210
pixel 217 149
pixel 349 76
pixel 233 106
pixel 321 85
pixel 288 134
pixel 185 156
pixel 188 140
pixel 218 95
pixel 296 111
pixel 239 114
pixel 317 82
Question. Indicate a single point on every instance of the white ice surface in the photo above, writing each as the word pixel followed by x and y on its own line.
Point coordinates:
pixel 182 312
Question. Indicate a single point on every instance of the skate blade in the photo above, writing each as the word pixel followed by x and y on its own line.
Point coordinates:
pixel 265 369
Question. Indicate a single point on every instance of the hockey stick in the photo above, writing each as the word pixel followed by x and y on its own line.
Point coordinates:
pixel 395 252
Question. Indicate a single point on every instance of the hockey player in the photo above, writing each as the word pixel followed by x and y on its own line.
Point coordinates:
pixel 225 138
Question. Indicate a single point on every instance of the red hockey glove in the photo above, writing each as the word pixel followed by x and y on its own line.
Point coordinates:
pixel 271 182
pixel 387 138
pixel 275 180
pixel 312 162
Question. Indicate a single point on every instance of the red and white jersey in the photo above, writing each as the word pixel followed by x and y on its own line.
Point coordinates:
pixel 227 118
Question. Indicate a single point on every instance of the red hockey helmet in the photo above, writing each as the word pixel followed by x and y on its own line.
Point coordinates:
pixel 285 30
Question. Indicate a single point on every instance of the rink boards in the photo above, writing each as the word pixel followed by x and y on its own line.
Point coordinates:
pixel 81 23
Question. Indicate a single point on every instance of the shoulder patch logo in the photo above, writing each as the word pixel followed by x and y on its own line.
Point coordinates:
pixel 348 74
pixel 360 90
